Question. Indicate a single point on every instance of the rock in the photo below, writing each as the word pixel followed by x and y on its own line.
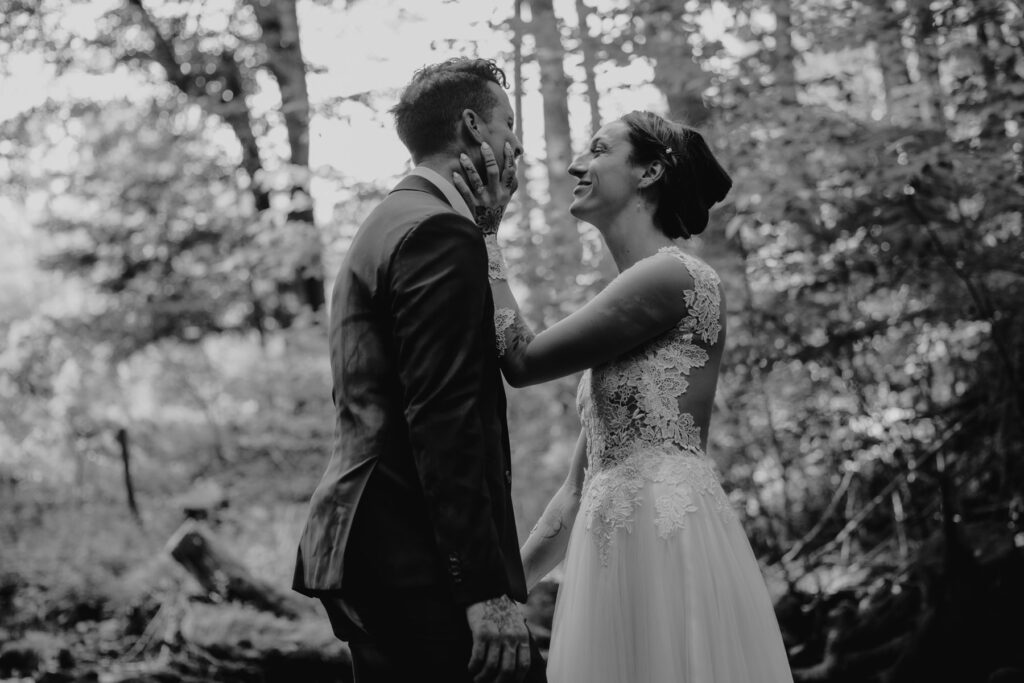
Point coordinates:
pixel 65 660
pixel 56 677
pixel 19 659
pixel 109 629
pixel 34 651
pixel 203 500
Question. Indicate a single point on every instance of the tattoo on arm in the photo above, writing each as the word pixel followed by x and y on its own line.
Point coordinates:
pixel 550 530
pixel 500 612
pixel 489 218
pixel 520 334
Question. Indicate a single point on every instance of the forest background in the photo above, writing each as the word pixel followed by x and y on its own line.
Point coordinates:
pixel 179 180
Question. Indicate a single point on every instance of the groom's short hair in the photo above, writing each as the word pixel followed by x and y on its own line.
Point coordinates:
pixel 431 106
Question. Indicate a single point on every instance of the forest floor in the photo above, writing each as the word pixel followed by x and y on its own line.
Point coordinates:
pixel 90 593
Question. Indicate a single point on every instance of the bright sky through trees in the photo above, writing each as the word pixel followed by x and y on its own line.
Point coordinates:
pixel 369 47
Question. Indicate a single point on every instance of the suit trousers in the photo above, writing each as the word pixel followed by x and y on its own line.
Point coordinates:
pixel 410 636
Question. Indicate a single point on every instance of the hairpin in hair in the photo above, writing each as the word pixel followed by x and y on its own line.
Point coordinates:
pixel 670 157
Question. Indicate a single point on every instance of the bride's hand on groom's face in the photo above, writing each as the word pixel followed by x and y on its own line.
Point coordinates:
pixel 487 200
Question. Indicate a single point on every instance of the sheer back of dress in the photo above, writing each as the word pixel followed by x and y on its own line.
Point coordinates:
pixel 643 400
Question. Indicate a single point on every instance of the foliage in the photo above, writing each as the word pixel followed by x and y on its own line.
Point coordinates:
pixel 151 218
pixel 883 261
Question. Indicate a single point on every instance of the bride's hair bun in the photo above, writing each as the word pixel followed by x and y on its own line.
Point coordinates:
pixel 693 180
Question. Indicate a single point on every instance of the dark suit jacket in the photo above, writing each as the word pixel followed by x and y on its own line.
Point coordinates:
pixel 416 494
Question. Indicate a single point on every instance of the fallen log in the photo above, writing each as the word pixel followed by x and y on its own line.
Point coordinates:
pixel 195 548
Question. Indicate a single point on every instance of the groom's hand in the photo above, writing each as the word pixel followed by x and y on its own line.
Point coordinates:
pixel 501 642
pixel 487 201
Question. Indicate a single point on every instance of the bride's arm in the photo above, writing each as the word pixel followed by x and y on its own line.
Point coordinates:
pixel 547 543
pixel 641 303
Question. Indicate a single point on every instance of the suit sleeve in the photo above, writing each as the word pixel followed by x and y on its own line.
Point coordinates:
pixel 439 299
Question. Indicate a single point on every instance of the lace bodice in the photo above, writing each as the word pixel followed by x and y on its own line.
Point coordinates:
pixel 636 432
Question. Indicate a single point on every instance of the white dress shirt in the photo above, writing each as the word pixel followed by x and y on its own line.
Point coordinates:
pixel 447 189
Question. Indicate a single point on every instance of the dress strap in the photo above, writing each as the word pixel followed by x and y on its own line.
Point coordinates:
pixel 705 299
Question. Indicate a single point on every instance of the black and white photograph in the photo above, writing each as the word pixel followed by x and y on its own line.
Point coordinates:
pixel 512 341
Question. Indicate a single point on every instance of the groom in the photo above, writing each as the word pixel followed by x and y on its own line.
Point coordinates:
pixel 411 542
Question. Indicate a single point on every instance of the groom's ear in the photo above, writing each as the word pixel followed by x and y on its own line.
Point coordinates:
pixel 471 125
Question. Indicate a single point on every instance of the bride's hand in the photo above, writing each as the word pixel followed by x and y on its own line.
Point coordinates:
pixel 487 201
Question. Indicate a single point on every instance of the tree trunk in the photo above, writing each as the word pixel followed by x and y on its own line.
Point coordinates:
pixel 589 64
pixel 279 27
pixel 785 56
pixel 523 193
pixel 561 240
pixel 892 62
pixel 988 20
pixel 280 35
pixel 231 107
pixel 195 549
pixel 985 50
pixel 928 64
pixel 676 74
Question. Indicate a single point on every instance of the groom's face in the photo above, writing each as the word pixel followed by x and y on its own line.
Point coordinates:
pixel 496 128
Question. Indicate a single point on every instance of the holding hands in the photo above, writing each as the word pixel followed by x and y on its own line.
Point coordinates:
pixel 501 641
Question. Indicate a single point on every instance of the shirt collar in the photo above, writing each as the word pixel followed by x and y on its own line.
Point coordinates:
pixel 446 188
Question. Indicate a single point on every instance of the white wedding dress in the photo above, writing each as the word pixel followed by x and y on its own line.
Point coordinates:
pixel 661 585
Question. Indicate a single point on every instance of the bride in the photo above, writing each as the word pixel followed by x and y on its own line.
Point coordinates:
pixel 660 581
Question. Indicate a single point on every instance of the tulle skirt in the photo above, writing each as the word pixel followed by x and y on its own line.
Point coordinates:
pixel 688 606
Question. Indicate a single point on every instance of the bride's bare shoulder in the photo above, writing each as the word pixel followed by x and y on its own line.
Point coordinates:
pixel 668 269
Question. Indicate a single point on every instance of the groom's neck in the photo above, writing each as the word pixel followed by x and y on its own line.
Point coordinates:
pixel 443 164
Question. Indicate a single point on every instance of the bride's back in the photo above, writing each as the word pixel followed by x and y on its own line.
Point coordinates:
pixel 660 395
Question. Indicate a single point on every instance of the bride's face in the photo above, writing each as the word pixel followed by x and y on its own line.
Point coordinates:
pixel 608 181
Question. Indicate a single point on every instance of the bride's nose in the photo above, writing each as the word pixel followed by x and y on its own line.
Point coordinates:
pixel 577 168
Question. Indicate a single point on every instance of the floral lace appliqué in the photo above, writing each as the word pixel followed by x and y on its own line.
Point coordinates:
pixel 504 318
pixel 637 434
pixel 671 509
pixel 685 483
pixel 496 269
pixel 704 300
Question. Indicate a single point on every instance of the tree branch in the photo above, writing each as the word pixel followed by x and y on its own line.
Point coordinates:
pixel 229 105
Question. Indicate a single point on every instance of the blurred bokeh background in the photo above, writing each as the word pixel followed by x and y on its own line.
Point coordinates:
pixel 180 179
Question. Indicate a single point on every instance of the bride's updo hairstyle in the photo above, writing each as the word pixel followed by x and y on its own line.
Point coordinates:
pixel 693 180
